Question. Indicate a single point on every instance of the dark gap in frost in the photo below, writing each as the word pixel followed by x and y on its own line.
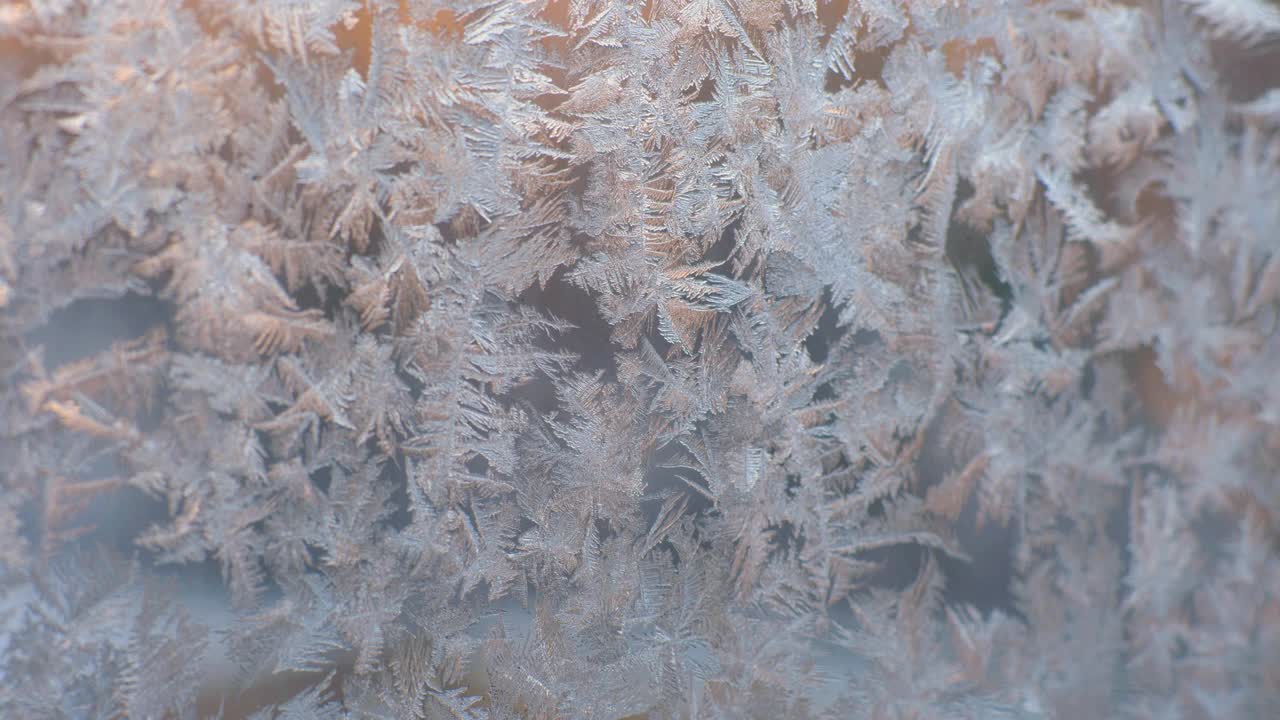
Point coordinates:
pixel 537 394
pixel 876 508
pixel 125 511
pixel 830 13
pixel 792 487
pixel 901 372
pixel 526 524
pixel 834 82
pixel 970 252
pixel 659 343
pixel 591 337
pixel 88 326
pixel 478 465
pixel 269 455
pixel 307 297
pixel 784 540
pixel 722 249
pixel 327 299
pixel 865 338
pixel 322 478
pixel 266 79
pixel 1088 379
pixel 276 407
pixel 226 152
pixel 604 530
pixel 411 381
pixel 669 549
pixel 153 416
pixel 394 473
pixel 316 555
pixel 202 575
pixel 465 223
pixel 403 167
pixel 828 332
pixel 824 393
pixel 870 66
pixel 897 565
pixel 1246 72
pixel 660 480
pixel 706 90
pixel 935 456
pixel 964 191
pixel 1119 530
pixel 986 582
pixel 113 517
pixel 374 244
pixel 357 39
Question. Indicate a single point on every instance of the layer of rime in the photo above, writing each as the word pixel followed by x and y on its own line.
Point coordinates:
pixel 620 359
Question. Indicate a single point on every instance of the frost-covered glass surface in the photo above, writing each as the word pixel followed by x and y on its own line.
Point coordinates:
pixel 885 359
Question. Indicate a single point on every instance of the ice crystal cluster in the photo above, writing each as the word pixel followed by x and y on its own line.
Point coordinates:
pixel 776 359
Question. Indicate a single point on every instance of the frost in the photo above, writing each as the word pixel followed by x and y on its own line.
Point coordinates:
pixel 667 359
